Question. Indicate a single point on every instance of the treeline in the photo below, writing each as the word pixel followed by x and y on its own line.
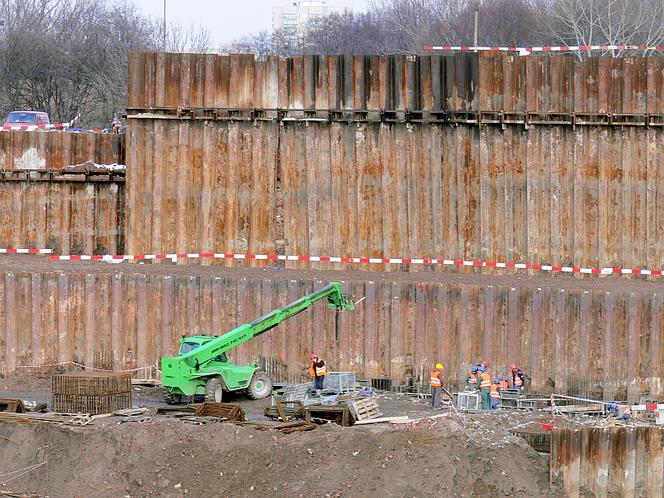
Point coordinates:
pixel 69 57
pixel 404 26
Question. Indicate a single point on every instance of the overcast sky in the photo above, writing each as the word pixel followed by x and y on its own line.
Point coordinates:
pixel 227 19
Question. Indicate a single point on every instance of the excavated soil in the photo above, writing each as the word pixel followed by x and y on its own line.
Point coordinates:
pixel 468 456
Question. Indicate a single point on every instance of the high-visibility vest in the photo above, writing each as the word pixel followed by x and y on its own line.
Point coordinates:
pixel 435 378
pixel 486 381
pixel 472 379
pixel 517 379
pixel 494 391
pixel 315 371
pixel 504 384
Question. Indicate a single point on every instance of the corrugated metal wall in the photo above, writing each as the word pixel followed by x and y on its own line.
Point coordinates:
pixel 460 82
pixel 592 339
pixel 609 461
pixel 529 159
pixel 74 213
pixel 57 149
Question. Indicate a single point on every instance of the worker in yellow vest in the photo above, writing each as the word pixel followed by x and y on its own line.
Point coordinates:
pixel 437 386
pixel 318 370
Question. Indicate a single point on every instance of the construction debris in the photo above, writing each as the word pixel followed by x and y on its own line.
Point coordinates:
pixel 229 411
pixel 364 409
pixel 203 419
pixel 285 410
pixel 130 412
pixel 12 405
pixel 32 418
pixel 387 420
pixel 339 414
pixel 287 427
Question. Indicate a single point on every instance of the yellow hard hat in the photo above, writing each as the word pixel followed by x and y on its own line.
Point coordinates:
pixel 439 365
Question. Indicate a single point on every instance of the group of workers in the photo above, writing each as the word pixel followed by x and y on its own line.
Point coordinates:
pixel 479 379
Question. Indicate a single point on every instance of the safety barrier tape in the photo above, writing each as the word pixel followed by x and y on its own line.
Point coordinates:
pixel 31 250
pixel 529 50
pixel 648 407
pixel 361 260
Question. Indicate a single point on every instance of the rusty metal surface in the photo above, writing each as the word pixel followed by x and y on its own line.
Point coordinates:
pixel 559 331
pixel 189 81
pixel 71 214
pixel 458 83
pixel 615 461
pixel 536 186
pixel 21 150
pixel 588 196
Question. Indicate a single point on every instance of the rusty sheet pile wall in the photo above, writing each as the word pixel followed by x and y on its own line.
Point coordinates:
pixel 57 149
pixel 610 461
pixel 561 336
pixel 72 213
pixel 528 159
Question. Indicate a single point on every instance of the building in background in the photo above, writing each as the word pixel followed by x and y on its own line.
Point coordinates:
pixel 294 17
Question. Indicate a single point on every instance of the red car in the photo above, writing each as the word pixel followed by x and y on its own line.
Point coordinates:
pixel 27 118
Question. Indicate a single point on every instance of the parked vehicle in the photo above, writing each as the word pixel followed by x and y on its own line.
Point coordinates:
pixel 27 118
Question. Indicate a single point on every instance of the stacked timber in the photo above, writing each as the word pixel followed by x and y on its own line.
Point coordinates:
pixel 91 392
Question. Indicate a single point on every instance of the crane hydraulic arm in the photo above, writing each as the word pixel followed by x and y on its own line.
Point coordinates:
pixel 203 357
pixel 247 331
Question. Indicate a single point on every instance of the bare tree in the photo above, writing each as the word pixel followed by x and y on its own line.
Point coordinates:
pixel 195 39
pixel 69 57
pixel 259 44
pixel 605 22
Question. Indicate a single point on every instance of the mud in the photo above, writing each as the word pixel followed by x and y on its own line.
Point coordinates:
pixel 454 454
pixel 174 458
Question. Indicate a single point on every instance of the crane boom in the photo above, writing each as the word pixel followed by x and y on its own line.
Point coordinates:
pixel 248 331
pixel 203 367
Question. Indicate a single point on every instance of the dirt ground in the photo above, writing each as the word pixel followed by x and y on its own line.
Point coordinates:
pixel 453 455
pixel 471 276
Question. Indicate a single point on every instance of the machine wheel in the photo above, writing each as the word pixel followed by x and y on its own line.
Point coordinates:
pixel 171 398
pixel 214 389
pixel 260 386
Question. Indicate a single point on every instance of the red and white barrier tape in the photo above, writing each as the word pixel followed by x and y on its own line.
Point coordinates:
pixel 648 408
pixel 31 250
pixel 65 363
pixel 529 50
pixel 362 260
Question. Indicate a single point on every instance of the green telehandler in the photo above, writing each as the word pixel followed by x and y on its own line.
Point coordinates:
pixel 203 367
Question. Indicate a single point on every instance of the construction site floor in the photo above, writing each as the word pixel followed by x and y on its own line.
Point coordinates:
pixel 456 454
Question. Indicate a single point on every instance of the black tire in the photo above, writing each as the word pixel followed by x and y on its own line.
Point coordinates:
pixel 172 398
pixel 260 386
pixel 214 389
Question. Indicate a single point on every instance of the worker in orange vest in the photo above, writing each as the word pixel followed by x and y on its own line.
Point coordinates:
pixel 318 370
pixel 472 380
pixel 518 377
pixel 485 388
pixel 437 386
pixel 504 384
pixel 495 394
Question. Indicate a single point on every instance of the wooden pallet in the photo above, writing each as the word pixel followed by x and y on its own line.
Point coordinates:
pixel 364 409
